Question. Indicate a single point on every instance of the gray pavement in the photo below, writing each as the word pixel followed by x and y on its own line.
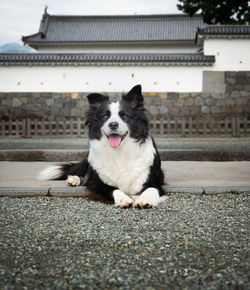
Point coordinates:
pixel 228 144
pixel 166 155
pixel 171 149
pixel 19 178
pixel 188 242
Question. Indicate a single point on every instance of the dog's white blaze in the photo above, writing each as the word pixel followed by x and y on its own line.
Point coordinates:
pixel 51 172
pixel 127 167
pixel 114 108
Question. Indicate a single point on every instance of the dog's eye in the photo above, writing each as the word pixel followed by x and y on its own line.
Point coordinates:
pixel 106 115
pixel 123 115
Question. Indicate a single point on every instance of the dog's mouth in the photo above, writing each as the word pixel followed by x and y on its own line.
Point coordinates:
pixel 115 140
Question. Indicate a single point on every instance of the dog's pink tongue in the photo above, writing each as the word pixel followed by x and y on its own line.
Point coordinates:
pixel 115 140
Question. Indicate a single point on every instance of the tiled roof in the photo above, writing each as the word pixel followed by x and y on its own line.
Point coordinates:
pixel 225 30
pixel 104 59
pixel 222 31
pixel 133 28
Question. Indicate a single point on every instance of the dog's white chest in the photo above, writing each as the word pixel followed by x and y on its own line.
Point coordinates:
pixel 126 167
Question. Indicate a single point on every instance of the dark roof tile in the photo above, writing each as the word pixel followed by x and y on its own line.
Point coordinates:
pixel 104 58
pixel 135 28
pixel 222 31
pixel 225 30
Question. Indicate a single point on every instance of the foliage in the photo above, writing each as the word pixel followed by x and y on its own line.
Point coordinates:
pixel 218 11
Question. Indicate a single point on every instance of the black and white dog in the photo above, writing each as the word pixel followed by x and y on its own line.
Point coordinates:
pixel 123 164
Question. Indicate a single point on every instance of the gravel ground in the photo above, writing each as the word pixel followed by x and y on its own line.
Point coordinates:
pixel 189 242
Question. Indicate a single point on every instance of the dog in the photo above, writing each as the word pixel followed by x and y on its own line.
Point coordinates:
pixel 123 164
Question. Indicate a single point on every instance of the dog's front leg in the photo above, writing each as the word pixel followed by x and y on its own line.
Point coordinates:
pixel 121 199
pixel 149 198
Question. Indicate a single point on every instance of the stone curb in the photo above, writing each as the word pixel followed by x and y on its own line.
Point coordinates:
pixel 23 192
pixel 64 192
pixel 50 192
pixel 166 155
pixel 29 155
pixel 207 190
pixel 82 191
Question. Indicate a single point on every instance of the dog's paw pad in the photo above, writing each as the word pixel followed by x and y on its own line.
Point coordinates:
pixel 73 180
pixel 128 204
pixel 149 198
pixel 142 204
pixel 124 203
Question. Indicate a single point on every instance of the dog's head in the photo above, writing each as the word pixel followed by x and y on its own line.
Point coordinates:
pixel 117 120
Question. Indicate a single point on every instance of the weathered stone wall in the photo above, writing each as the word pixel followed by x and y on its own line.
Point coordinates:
pixel 224 94
pixel 42 105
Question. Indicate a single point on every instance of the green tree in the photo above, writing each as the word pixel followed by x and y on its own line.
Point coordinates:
pixel 218 11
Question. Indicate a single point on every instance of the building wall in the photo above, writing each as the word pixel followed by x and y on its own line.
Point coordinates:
pixel 230 54
pixel 235 100
pixel 60 91
pixel 100 78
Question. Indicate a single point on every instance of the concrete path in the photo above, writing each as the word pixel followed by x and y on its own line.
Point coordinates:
pixel 19 178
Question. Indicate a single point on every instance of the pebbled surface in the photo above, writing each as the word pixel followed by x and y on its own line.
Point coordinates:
pixel 189 241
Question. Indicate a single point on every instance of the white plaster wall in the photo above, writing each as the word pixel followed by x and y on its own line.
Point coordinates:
pixel 230 54
pixel 102 79
pixel 184 48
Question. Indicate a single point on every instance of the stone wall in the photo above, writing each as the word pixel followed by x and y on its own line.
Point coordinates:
pixel 224 94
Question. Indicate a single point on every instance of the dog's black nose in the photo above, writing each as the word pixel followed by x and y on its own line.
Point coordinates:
pixel 113 125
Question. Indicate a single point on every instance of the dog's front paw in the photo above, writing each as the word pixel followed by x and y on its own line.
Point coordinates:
pixel 149 198
pixel 73 180
pixel 121 199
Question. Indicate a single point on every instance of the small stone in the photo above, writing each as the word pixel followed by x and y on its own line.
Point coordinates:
pixel 179 102
pixel 229 102
pixel 234 94
pixel 164 110
pixel 205 110
pixel 189 102
pixel 173 95
pixel 16 102
pixel 244 94
pixel 210 102
pixel 230 81
pixel 247 88
pixel 199 101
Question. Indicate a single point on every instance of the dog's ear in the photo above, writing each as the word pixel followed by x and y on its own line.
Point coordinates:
pixel 134 97
pixel 96 100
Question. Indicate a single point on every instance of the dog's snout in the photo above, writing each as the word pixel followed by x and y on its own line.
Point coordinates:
pixel 113 125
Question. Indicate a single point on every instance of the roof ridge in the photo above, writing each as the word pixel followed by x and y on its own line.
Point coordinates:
pixel 227 26
pixel 100 53
pixel 222 29
pixel 126 16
